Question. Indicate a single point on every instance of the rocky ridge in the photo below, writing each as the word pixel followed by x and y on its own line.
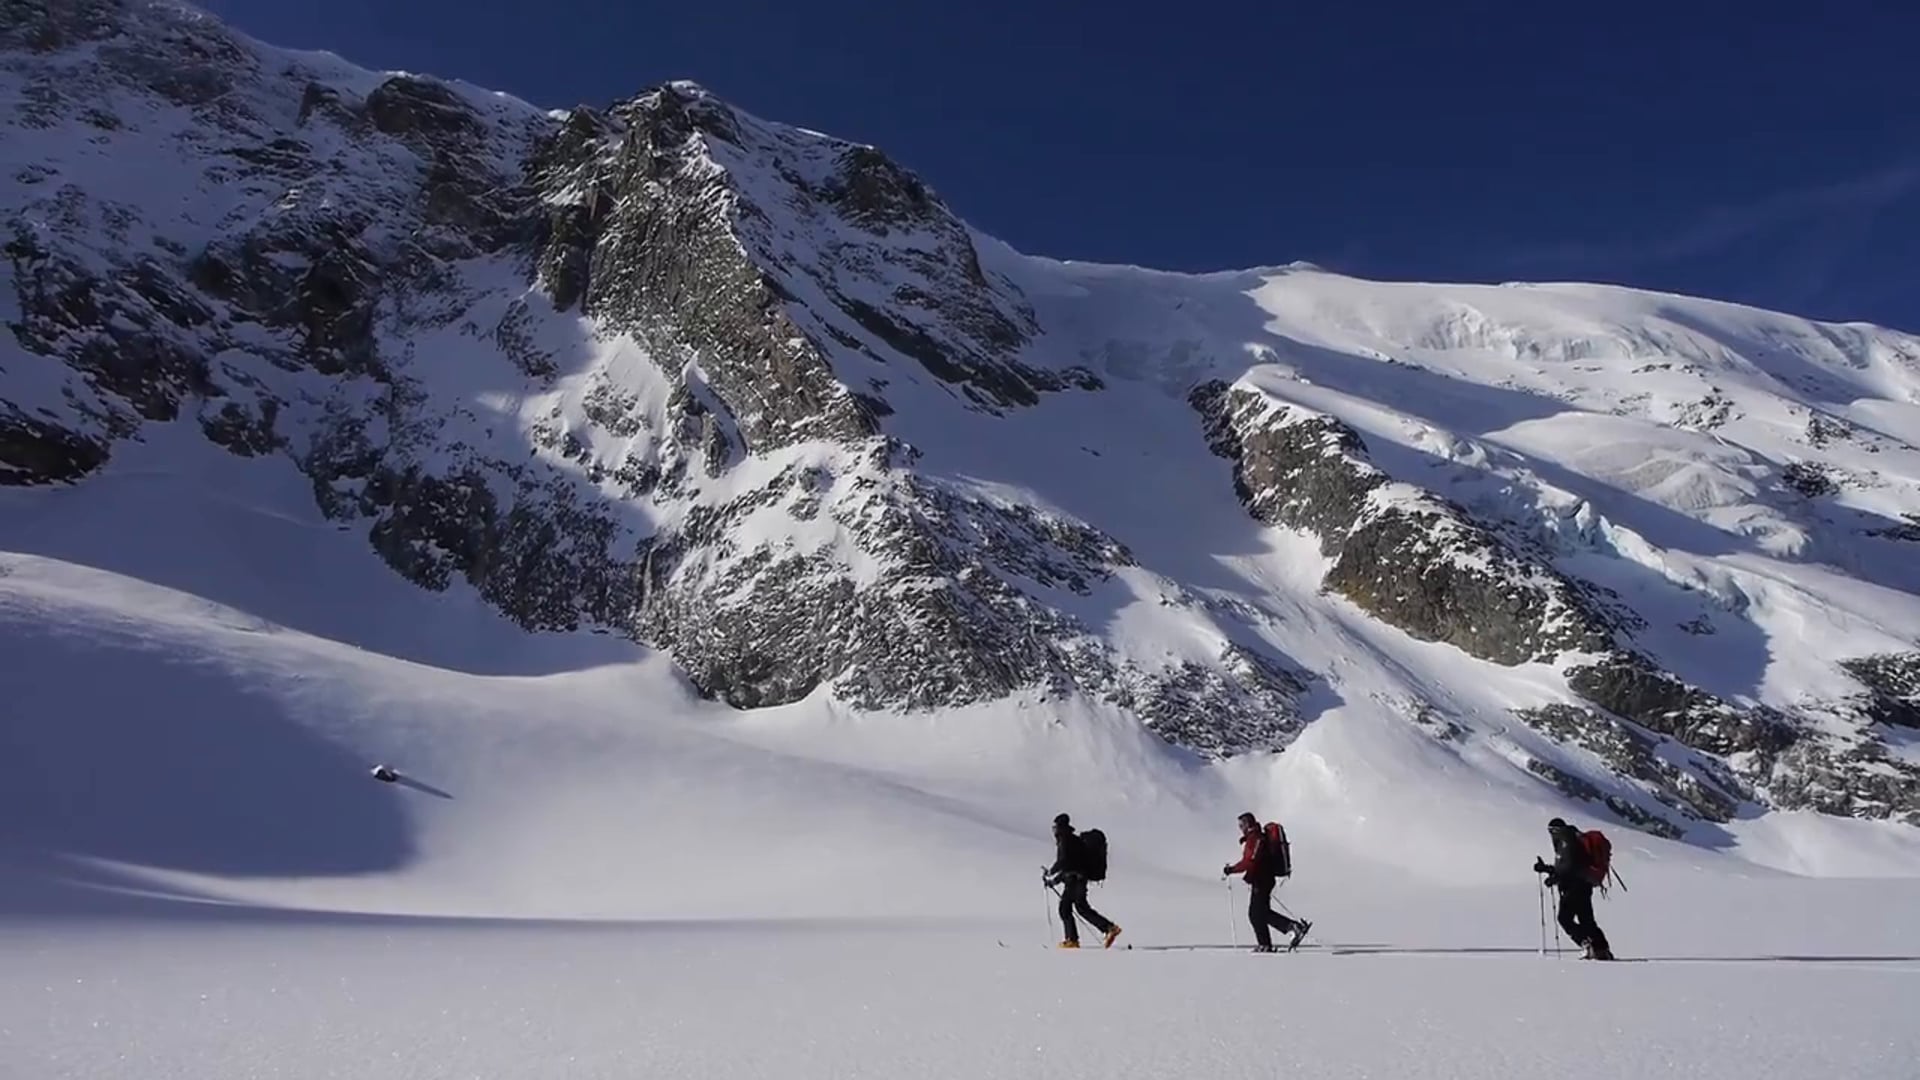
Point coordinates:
pixel 640 368
pixel 1427 566
pixel 750 267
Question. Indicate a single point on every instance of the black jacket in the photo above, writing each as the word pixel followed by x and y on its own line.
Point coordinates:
pixel 1069 855
pixel 1570 863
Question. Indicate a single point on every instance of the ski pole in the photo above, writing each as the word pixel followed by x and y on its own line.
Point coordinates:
pixel 1542 882
pixel 1233 928
pixel 1282 904
pixel 1049 890
pixel 1556 926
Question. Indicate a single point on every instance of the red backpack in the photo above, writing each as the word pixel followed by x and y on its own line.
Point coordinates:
pixel 1275 852
pixel 1599 856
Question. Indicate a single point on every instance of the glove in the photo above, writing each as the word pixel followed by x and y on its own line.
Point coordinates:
pixel 1227 870
pixel 1552 879
pixel 1540 866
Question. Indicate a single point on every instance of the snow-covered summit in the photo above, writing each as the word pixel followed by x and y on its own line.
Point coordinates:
pixel 758 398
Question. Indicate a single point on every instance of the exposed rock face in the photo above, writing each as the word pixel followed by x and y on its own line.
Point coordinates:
pixel 1255 704
pixel 1573 786
pixel 946 616
pixel 129 332
pixel 1809 480
pixel 1400 553
pixel 1426 566
pixel 1781 759
pixel 1893 683
pixel 1862 780
pixel 1907 530
pixel 640 230
pixel 661 221
pixel 1702 790
pixel 651 369
pixel 1632 688
pixel 752 273
pixel 33 451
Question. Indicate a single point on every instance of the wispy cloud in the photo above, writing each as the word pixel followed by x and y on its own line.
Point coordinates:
pixel 1855 200
pixel 1829 250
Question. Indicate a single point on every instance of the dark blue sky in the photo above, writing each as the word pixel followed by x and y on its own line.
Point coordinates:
pixel 1768 158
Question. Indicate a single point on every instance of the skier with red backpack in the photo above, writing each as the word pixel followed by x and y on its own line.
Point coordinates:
pixel 1581 862
pixel 1266 859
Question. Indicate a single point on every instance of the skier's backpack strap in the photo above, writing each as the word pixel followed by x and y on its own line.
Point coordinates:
pixel 1093 850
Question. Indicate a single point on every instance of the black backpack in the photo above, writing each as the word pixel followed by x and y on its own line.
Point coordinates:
pixel 1093 854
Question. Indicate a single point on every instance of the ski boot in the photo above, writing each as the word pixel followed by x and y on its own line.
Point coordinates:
pixel 1112 932
pixel 1068 945
pixel 1299 932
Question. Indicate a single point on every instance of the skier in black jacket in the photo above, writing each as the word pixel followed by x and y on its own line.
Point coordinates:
pixel 1069 872
pixel 1571 874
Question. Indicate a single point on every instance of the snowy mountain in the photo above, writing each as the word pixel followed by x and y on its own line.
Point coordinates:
pixel 741 560
pixel 756 398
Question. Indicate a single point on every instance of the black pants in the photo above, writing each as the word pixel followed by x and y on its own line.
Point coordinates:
pixel 1576 917
pixel 1073 897
pixel 1261 914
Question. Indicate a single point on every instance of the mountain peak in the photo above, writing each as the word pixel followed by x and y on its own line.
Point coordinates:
pixel 687 88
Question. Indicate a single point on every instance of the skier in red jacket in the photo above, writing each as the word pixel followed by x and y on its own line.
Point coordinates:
pixel 1263 864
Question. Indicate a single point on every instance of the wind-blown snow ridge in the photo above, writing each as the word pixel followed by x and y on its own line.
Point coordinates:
pixel 758 398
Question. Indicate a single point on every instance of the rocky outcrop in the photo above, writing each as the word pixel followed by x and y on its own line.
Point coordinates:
pixel 1893 686
pixel 1400 553
pixel 640 231
pixel 1575 787
pixel 661 216
pixel 1907 530
pixel 1425 565
pixel 129 331
pixel 1632 688
pixel 947 615
pixel 1785 760
pixel 1702 789
pixel 33 451
pixel 1242 701
pixel 44 26
pixel 1860 780
pixel 1807 479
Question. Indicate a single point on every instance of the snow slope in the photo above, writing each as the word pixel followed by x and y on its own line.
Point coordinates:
pixel 593 873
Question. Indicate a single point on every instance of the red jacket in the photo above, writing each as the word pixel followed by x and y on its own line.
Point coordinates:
pixel 1249 857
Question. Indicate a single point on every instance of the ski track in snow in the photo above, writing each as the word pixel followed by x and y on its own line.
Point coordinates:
pixel 752 1002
